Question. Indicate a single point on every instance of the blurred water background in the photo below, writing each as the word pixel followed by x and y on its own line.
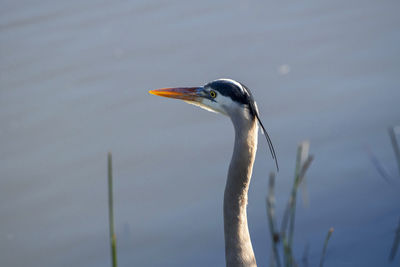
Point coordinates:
pixel 74 77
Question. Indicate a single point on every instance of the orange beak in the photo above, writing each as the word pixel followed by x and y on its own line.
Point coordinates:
pixel 183 93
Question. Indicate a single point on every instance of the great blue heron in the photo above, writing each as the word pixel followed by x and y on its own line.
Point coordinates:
pixel 233 99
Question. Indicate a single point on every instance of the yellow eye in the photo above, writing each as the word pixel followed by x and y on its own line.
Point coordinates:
pixel 213 94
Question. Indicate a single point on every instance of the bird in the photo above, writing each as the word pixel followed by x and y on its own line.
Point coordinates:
pixel 233 99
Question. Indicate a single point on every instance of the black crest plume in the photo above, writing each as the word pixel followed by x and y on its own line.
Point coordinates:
pixel 254 110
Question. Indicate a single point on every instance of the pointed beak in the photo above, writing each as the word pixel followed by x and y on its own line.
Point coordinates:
pixel 183 93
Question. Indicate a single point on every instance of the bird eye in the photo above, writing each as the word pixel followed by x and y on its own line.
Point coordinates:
pixel 213 94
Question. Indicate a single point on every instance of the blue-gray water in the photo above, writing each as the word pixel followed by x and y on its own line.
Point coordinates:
pixel 74 78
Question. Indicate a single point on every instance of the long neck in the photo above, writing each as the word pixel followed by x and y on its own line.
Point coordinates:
pixel 238 248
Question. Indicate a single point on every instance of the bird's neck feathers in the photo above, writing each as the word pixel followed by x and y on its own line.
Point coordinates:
pixel 238 248
pixel 241 166
pixel 241 116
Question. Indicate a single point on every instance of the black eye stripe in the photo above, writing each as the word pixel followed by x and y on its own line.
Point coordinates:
pixel 228 89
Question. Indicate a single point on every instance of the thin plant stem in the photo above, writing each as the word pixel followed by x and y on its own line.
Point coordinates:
pixel 395 245
pixel 287 252
pixel 379 167
pixel 304 155
pixel 302 164
pixel 287 213
pixel 113 237
pixel 299 175
pixel 298 181
pixel 328 236
pixel 286 248
pixel 294 192
pixel 395 144
pixel 272 219
pixel 286 233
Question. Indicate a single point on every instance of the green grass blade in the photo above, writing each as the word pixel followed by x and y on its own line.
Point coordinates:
pixel 328 236
pixel 272 219
pixel 395 144
pixel 113 238
pixel 302 163
pixel 395 245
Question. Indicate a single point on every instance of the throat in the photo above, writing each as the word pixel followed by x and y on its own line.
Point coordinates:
pixel 238 247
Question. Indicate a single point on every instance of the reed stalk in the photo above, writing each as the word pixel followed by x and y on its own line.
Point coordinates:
pixel 392 133
pixel 113 237
pixel 328 236
pixel 272 220
pixel 285 236
pixel 396 242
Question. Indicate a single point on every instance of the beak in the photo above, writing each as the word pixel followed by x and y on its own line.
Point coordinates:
pixel 184 93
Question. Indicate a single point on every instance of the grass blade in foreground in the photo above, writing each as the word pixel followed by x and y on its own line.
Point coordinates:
pixel 303 161
pixel 395 245
pixel 302 158
pixel 328 236
pixel 113 238
pixel 272 219
pixel 392 132
pixel 285 235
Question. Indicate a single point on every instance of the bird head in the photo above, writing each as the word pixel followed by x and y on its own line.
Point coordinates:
pixel 224 96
